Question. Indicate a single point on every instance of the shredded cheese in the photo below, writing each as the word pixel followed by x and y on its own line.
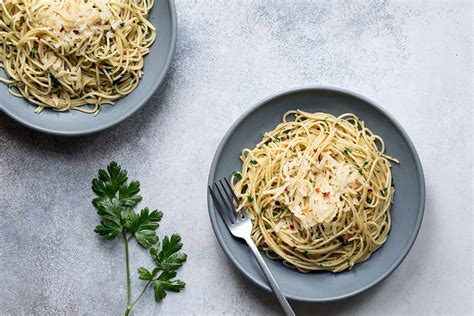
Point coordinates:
pixel 330 177
pixel 74 21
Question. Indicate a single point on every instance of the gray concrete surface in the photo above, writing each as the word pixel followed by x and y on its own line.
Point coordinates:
pixel 414 58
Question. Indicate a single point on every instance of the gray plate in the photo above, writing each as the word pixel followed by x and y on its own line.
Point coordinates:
pixel 407 210
pixel 157 62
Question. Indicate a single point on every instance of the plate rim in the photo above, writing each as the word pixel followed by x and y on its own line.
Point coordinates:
pixel 128 114
pixel 390 117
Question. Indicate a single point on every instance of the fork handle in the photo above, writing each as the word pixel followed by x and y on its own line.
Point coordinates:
pixel 273 284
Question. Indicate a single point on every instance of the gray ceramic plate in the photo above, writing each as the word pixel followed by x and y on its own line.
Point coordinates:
pixel 157 62
pixel 407 210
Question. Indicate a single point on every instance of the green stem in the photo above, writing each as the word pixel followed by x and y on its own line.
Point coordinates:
pixel 129 307
pixel 141 294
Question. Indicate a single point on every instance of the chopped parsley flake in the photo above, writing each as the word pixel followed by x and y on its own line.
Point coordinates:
pixel 54 82
pixel 237 175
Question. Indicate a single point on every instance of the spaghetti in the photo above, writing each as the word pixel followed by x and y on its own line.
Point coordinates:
pixel 64 54
pixel 318 189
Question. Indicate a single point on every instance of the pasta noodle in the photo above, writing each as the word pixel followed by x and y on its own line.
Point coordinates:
pixel 318 189
pixel 64 54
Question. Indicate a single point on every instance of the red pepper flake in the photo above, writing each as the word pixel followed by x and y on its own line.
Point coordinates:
pixel 62 29
pixel 292 226
pixel 318 190
pixel 336 154
pixel 76 32
pixel 369 190
pixel 325 194
pixel 101 66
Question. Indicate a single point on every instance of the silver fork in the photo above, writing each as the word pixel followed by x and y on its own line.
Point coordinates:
pixel 240 226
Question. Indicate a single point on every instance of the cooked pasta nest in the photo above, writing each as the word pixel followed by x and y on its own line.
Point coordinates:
pixel 319 190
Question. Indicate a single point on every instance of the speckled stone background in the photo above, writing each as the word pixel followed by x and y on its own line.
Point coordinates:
pixel 414 58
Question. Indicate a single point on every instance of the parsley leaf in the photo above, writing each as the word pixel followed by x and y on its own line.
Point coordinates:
pixel 164 284
pixel 109 228
pixel 169 258
pixel 145 274
pixel 253 162
pixel 237 175
pixel 109 182
pixel 143 226
pixel 128 194
pixel 114 199
pixel 249 198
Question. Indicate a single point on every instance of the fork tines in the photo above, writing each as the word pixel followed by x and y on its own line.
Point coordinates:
pixel 225 200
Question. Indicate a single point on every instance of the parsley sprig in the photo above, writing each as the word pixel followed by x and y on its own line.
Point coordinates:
pixel 115 203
